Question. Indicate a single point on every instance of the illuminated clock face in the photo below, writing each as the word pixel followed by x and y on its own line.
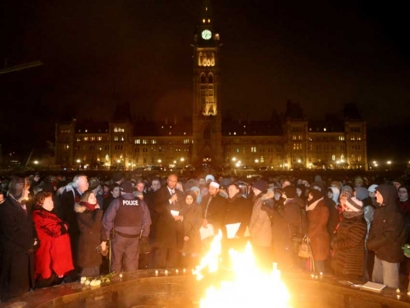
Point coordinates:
pixel 206 34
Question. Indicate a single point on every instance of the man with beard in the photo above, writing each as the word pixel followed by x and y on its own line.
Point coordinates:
pixel 213 211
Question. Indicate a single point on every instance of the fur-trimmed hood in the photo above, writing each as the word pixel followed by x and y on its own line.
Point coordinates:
pixel 78 208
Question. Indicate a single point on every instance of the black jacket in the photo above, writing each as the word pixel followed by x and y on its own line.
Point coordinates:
pixel 388 232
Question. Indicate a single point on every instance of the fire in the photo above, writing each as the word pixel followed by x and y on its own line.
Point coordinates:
pixel 250 286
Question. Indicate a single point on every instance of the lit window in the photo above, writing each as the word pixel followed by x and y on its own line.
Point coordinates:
pixel 137 141
pixel 144 141
pixel 85 138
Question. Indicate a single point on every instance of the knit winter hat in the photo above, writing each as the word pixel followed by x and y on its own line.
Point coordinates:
pixel 346 193
pixel 214 184
pixel 261 185
pixel 290 192
pixel 354 205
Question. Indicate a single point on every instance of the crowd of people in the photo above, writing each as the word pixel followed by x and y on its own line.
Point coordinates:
pixel 55 230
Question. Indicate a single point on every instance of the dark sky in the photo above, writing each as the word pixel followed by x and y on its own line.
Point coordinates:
pixel 96 54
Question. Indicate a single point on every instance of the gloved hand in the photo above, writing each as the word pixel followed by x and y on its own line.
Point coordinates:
pixel 35 246
pixel 406 250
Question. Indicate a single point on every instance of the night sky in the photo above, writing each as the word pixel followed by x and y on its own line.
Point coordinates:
pixel 96 54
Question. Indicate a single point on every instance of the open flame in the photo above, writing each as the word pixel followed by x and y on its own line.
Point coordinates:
pixel 250 286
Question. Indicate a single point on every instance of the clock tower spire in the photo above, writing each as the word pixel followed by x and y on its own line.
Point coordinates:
pixel 206 82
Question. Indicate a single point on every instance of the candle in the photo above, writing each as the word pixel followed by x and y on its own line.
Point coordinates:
pixel 166 272
pixel 184 270
pixel 321 274
pixel 397 290
pixel 120 275
pixel 156 272
pixel 177 271
pixel 312 275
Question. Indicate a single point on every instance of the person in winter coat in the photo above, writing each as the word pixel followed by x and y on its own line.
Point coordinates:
pixel 238 209
pixel 286 225
pixel 332 202
pixel 169 233
pixel 386 237
pixel 260 225
pixel 348 243
pixel 317 216
pixel 192 220
pixel 18 241
pixel 89 216
pixel 53 258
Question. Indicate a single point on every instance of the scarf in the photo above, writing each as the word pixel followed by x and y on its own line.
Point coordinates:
pixel 89 206
pixel 350 215
pixel 311 207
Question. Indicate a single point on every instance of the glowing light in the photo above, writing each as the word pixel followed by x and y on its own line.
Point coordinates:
pixel 249 287
pixel 233 158
pixel 299 161
pixel 389 162
pixel 35 162
pixel 78 161
pixel 159 161
pixel 182 159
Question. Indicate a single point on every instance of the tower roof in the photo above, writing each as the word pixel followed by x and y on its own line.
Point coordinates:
pixel 206 16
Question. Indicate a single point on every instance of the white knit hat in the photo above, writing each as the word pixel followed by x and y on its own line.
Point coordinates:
pixel 214 184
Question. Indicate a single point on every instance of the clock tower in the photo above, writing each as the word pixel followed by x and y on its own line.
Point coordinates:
pixel 207 119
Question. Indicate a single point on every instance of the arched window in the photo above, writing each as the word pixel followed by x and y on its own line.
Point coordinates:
pixel 203 79
pixel 210 78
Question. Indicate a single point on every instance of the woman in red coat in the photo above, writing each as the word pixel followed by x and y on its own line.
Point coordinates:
pixel 318 215
pixel 53 258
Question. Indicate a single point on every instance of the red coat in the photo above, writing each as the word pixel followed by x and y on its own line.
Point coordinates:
pixel 54 253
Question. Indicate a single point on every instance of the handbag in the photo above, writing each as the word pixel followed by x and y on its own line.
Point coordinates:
pixel 305 251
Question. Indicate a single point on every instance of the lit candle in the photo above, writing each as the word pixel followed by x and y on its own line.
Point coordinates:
pixel 120 275
pixel 397 290
pixel 316 277
pixel 321 274
pixel 156 272
pixel 184 270
pixel 312 275
pixel 398 296
pixel 166 272
pixel 177 271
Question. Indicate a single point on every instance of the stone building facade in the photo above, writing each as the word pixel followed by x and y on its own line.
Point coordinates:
pixel 285 142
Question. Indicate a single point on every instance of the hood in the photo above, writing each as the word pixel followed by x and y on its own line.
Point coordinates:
pixel 389 193
pixel 336 194
pixel 362 193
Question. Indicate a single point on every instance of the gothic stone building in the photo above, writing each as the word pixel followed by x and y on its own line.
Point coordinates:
pixel 283 143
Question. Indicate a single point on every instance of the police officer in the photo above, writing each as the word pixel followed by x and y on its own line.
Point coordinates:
pixel 129 217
